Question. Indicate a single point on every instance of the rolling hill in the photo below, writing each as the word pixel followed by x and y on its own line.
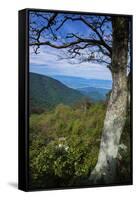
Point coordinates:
pixel 46 93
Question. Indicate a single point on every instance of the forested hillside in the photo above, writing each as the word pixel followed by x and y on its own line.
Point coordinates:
pixel 46 93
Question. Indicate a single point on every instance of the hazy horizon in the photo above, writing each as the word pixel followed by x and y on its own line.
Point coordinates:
pixel 93 71
pixel 80 82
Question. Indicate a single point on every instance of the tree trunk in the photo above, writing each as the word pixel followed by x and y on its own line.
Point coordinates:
pixel 105 169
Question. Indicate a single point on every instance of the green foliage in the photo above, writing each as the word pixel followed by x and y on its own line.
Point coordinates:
pixel 65 144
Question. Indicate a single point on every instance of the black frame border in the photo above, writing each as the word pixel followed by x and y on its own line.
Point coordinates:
pixel 23 99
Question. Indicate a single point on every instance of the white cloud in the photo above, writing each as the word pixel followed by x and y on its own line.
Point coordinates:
pixel 46 62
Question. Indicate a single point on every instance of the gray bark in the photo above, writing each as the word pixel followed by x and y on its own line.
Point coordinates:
pixel 105 169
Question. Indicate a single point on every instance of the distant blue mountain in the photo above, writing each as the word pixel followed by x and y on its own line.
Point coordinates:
pixel 78 82
pixel 95 89
pixel 95 94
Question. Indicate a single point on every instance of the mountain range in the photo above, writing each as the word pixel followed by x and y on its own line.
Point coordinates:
pixel 46 92
pixel 95 94
pixel 79 82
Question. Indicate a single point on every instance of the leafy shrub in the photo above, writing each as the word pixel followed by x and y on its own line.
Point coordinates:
pixel 64 144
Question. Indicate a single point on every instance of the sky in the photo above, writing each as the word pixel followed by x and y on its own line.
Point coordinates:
pixel 47 61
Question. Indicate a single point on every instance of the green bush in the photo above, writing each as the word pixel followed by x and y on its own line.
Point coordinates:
pixel 64 144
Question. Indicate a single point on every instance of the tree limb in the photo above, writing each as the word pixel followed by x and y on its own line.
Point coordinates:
pixel 93 28
pixel 80 40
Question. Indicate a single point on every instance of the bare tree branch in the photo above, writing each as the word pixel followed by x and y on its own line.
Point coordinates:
pixel 79 40
pixel 93 28
pixel 77 46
